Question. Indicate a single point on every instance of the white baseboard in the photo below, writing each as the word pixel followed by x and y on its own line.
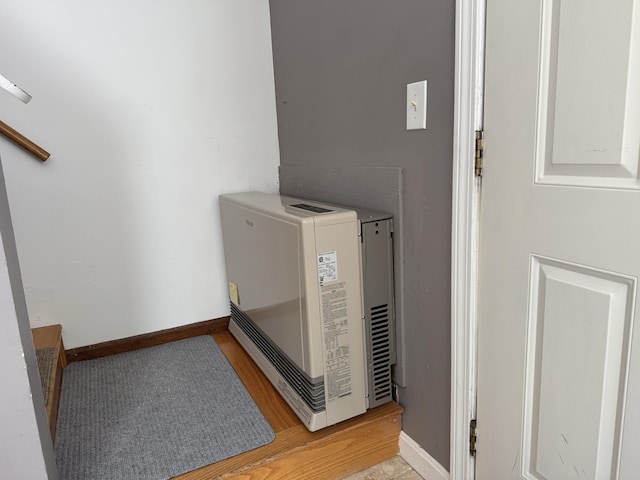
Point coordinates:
pixel 423 463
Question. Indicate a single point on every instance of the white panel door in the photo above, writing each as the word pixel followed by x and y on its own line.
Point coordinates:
pixel 559 258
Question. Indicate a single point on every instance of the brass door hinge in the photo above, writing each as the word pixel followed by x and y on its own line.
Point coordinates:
pixel 472 437
pixel 479 153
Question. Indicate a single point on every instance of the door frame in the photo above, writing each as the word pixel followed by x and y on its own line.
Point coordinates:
pixel 468 107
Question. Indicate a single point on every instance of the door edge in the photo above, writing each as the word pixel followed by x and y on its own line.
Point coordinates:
pixel 469 76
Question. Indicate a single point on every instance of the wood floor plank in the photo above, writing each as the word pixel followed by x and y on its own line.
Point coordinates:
pixel 296 453
pixel 273 407
pixel 330 457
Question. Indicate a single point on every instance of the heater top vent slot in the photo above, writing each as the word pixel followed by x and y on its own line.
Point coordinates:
pixel 311 208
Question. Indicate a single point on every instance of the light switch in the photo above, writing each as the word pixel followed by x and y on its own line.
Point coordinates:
pixel 417 106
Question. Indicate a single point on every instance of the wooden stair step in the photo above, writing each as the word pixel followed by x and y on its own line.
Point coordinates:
pixel 51 336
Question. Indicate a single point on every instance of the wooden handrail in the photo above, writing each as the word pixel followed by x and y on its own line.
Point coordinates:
pixel 24 142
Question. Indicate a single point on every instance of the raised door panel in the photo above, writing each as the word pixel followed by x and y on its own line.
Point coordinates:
pixel 579 324
pixel 588 131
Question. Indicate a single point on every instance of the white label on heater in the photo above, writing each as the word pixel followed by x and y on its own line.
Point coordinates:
pixel 328 267
pixel 336 341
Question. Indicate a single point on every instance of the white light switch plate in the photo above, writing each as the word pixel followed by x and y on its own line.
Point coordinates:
pixel 417 106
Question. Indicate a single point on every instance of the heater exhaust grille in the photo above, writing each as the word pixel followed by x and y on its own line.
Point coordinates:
pixel 381 387
pixel 311 391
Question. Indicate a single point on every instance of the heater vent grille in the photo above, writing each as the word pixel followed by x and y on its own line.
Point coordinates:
pixel 381 355
pixel 310 390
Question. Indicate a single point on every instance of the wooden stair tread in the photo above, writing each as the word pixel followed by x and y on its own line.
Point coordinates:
pixel 51 336
pixel 297 453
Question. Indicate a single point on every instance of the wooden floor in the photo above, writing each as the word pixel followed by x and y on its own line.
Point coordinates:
pixel 297 454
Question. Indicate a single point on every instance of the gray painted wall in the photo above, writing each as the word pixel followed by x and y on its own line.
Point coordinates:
pixel 341 70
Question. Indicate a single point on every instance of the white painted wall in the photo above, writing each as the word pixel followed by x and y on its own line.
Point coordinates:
pixel 26 450
pixel 150 110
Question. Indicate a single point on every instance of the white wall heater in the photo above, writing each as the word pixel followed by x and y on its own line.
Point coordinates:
pixel 311 292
